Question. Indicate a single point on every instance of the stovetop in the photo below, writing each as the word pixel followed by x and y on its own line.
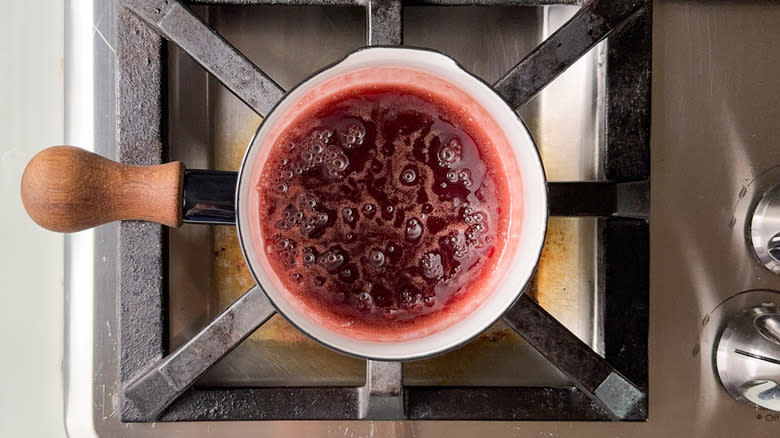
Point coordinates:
pixel 152 290
pixel 214 274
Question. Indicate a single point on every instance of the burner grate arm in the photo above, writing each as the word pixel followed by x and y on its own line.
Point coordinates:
pixel 384 25
pixel 178 24
pixel 382 397
pixel 153 391
pixel 589 371
pixel 592 23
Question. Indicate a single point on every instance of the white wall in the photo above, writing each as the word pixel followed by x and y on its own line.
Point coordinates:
pixel 31 259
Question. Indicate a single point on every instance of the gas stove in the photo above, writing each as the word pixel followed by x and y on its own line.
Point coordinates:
pixel 636 317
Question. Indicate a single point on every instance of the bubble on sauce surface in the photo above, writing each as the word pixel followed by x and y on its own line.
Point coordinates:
pixel 283 250
pixel 281 188
pixel 336 161
pixel 464 176
pixel 349 215
pixel 376 257
pixel 286 174
pixel 452 176
pixel 307 201
pixel 456 243
pixel 369 210
pixel 309 257
pixel 331 259
pixel 387 213
pixel 282 243
pixel 289 219
pixel 408 175
pixel 393 253
pixel 352 133
pixel 364 302
pixel 414 229
pixel 450 152
pixel 349 274
pixel 477 226
pixel 409 297
pixel 309 225
pixel 431 265
pixel 322 135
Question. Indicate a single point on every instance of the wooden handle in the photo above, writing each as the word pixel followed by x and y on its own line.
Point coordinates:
pixel 68 189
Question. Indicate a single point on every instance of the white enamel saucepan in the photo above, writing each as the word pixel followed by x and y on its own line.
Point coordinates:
pixel 67 189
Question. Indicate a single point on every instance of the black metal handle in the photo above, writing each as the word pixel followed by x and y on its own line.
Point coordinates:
pixel 600 198
pixel 209 197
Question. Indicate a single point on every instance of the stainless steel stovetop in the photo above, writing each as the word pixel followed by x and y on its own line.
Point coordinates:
pixel 713 142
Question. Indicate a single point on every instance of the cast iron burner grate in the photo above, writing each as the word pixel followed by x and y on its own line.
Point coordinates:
pixel 157 385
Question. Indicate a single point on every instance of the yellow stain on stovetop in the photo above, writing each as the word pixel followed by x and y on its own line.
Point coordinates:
pixel 556 281
pixel 231 275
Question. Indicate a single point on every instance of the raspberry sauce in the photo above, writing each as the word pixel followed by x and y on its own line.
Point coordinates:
pixel 383 207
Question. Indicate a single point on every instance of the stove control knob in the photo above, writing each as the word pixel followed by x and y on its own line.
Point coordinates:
pixel 748 356
pixel 765 230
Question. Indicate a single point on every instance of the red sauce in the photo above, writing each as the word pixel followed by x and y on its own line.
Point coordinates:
pixel 383 207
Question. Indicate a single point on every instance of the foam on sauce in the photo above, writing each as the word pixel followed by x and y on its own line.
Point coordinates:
pixel 383 208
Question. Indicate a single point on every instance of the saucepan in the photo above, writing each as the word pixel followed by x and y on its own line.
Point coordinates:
pixel 67 189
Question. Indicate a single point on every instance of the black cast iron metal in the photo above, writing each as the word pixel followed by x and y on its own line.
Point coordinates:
pixel 209 197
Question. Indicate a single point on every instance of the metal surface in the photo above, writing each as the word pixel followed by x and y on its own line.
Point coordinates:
pixel 79 279
pixel 140 329
pixel 627 297
pixel 382 397
pixel 765 230
pixel 713 133
pixel 242 404
pixel 149 394
pixel 748 356
pixel 497 403
pixel 627 100
pixel 195 414
pixel 177 23
pixel 593 22
pixel 384 24
pixel 138 141
pixel 409 2
pixel 599 198
pixel 209 197
pixel 278 355
pixel 590 373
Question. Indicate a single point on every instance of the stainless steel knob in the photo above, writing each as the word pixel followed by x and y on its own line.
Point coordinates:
pixel 765 229
pixel 748 356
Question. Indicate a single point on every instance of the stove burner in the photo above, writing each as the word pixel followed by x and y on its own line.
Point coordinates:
pixel 608 388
